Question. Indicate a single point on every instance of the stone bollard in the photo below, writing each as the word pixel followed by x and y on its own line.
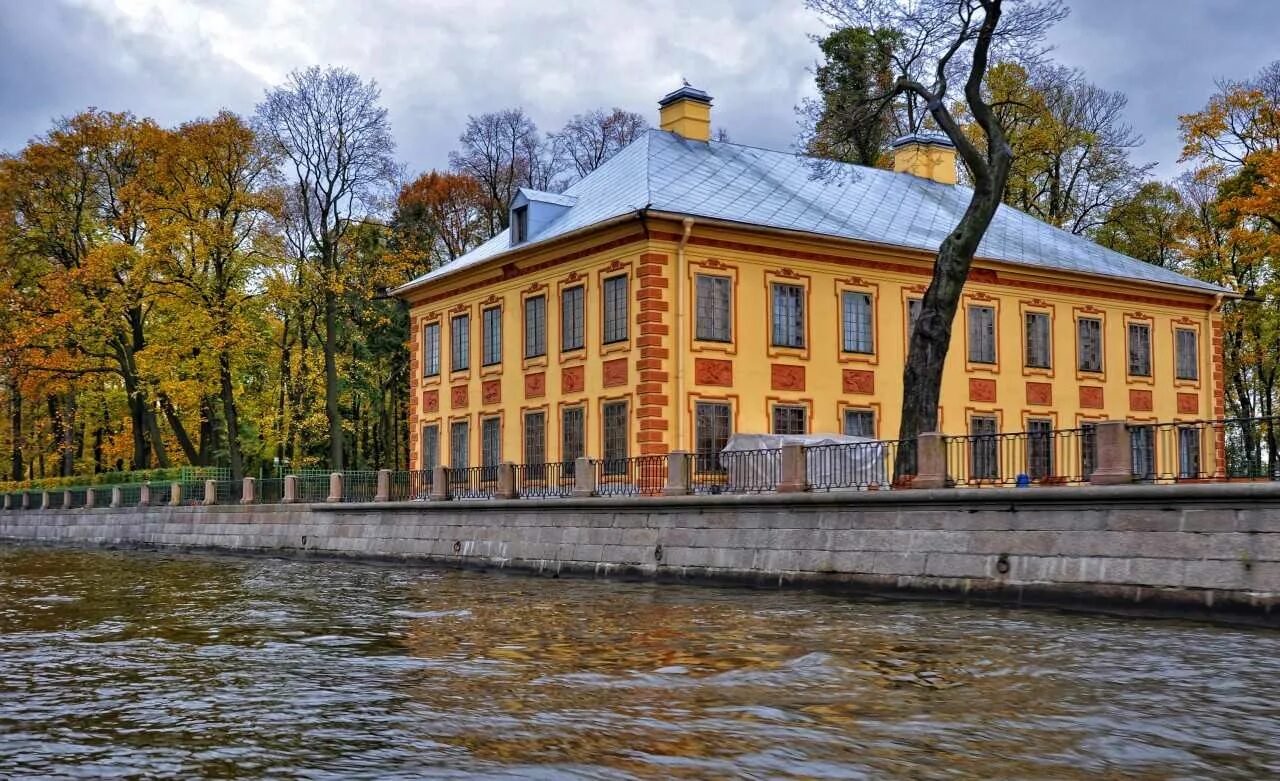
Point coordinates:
pixel 46 500
pixel 289 494
pixel 144 495
pixel 89 498
pixel 175 494
pixel 117 496
pixel 383 493
pixel 1113 464
pixel 210 493
pixel 440 484
pixel 584 477
pixel 931 461
pixel 8 501
pixel 794 473
pixel 249 491
pixel 506 482
pixel 679 474
pixel 66 500
pixel 335 487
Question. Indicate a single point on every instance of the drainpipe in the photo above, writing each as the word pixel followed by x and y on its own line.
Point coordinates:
pixel 678 341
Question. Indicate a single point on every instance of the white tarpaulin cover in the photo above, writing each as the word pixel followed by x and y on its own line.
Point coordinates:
pixel 844 466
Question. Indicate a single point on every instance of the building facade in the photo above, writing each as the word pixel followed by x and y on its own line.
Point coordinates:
pixel 690 289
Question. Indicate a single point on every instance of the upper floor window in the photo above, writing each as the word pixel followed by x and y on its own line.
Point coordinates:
pixel 1089 344
pixel 860 423
pixel 491 326
pixel 535 326
pixel 1038 340
pixel 788 315
pixel 913 314
pixel 982 334
pixel 790 419
pixel 520 224
pixel 615 309
pixel 460 343
pixel 714 308
pixel 856 330
pixel 572 315
pixel 1188 358
pixel 430 349
pixel 1140 349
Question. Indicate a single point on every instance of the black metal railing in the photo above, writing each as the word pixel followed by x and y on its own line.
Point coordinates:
pixel 1049 457
pixel 738 472
pixel 635 476
pixel 474 482
pixel 160 493
pixel 541 481
pixel 359 486
pixel 228 491
pixel 1206 450
pixel 865 466
pixel 411 486
pixel 269 490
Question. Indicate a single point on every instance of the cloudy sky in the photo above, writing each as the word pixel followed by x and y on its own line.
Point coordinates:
pixel 438 61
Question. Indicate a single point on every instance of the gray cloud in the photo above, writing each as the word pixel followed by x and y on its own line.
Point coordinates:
pixel 438 62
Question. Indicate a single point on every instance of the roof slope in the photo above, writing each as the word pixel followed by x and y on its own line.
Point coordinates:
pixel 667 173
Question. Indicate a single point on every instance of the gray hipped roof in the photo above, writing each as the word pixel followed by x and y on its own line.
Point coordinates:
pixel 664 172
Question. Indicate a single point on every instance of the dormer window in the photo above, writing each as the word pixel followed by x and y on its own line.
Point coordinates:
pixel 520 224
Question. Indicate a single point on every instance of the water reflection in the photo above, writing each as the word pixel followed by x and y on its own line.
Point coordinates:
pixel 148 664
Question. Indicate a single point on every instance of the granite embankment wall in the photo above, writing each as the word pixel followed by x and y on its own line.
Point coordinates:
pixel 1209 550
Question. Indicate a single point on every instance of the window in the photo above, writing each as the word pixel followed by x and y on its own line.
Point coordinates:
pixel 615 310
pixel 1089 344
pixel 431 350
pixel 535 437
pixel 913 314
pixel 1088 450
pixel 1140 349
pixel 856 322
pixel 789 419
pixel 860 423
pixel 1188 452
pixel 490 441
pixel 615 434
pixel 982 334
pixel 984 453
pixel 1038 340
pixel 714 308
pixel 788 315
pixel 1039 448
pixel 572 439
pixel 1188 355
pixel 535 326
pixel 491 336
pixel 711 433
pixel 520 224
pixel 430 446
pixel 459 444
pixel 1143 447
pixel 460 343
pixel 572 314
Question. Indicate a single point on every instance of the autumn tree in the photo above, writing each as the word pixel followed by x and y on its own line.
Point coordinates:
pixel 591 138
pixel 1146 225
pixel 439 216
pixel 940 41
pixel 504 151
pixel 336 142
pixel 846 122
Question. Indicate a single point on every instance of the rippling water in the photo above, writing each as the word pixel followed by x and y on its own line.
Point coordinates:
pixel 153 665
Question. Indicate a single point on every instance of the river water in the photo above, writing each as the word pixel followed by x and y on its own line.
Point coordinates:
pixel 129 664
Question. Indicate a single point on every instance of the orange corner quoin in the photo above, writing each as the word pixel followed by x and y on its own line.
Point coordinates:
pixel 645 332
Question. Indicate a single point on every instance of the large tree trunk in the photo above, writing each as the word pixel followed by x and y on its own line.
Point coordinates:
pixel 231 415
pixel 15 424
pixel 331 395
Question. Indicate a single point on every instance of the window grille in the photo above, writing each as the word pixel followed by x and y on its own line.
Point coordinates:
pixel 430 349
pixel 1089 344
pixel 788 315
pixel 714 308
pixel 615 430
pixel 572 434
pixel 460 343
pixel 572 317
pixel 1139 349
pixel 790 419
pixel 860 423
pixel 535 326
pixel 1188 354
pixel 615 309
pixel 459 444
pixel 1038 340
pixel 856 322
pixel 491 325
pixel 535 437
pixel 711 433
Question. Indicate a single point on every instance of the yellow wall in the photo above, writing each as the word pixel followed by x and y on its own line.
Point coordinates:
pixel 662 398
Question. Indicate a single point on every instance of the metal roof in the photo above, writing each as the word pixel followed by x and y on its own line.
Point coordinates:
pixel 665 172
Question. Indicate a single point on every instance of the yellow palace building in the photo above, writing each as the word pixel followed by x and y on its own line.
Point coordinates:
pixel 689 289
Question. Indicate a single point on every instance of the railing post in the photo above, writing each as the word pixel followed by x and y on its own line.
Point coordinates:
pixel 289 490
pixel 175 494
pixel 249 491
pixel 383 493
pixel 794 477
pixel 89 499
pixel 144 495
pixel 66 499
pixel 46 500
pixel 506 488
pixel 440 484
pixel 679 468
pixel 8 501
pixel 117 496
pixel 931 461
pixel 1114 462
pixel 584 477
pixel 335 487
pixel 210 492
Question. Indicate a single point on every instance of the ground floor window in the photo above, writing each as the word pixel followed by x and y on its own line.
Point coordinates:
pixel 984 452
pixel 860 423
pixel 490 441
pixel 711 427
pixel 1088 450
pixel 430 446
pixel 790 419
pixel 614 414
pixel 535 437
pixel 1142 444
pixel 1188 452
pixel 1039 448
pixel 572 441
pixel 459 444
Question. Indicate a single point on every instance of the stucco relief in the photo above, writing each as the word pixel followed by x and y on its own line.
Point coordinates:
pixel 614 372
pixel 1140 400
pixel 572 379
pixel 458 396
pixel 982 390
pixel 491 391
pixel 1188 403
pixel 711 371
pixel 431 401
pixel 787 377
pixel 535 385
pixel 1091 396
pixel 859 381
pixel 1039 393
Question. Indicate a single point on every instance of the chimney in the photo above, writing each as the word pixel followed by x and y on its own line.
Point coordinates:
pixel 687 113
pixel 927 155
